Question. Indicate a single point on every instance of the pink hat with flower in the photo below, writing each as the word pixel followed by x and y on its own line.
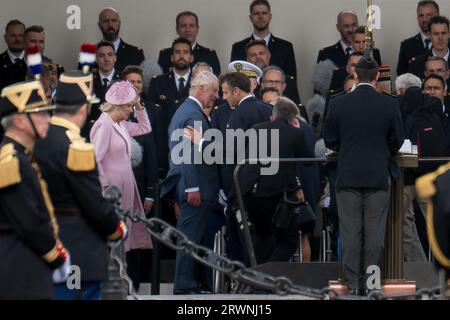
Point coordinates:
pixel 121 92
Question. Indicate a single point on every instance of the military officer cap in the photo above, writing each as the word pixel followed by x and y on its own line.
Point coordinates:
pixel 385 73
pixel 75 88
pixel 24 97
pixel 247 68
pixel 367 63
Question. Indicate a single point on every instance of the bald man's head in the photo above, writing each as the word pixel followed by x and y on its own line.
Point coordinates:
pixel 109 24
pixel 347 21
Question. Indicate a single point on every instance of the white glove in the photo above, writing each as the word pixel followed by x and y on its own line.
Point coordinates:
pixel 222 198
pixel 115 243
pixel 326 202
pixel 62 273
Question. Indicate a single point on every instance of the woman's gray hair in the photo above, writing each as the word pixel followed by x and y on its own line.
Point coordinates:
pixel 204 78
pixel 406 81
pixel 285 109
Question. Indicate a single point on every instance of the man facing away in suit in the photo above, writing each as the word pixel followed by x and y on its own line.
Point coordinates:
pixel 196 184
pixel 365 128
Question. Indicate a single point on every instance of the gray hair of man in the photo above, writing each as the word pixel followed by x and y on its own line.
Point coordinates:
pixel 275 68
pixel 406 81
pixel 285 109
pixel 7 122
pixel 202 64
pixel 203 78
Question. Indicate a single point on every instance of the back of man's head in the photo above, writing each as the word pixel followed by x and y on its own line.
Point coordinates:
pixel 366 69
pixel 285 109
pixel 407 80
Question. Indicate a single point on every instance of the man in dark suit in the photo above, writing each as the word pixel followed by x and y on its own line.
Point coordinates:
pixel 262 193
pixel 347 21
pixel 187 27
pixel 365 128
pixel 196 183
pixel 87 221
pixel 30 248
pixel 420 43
pixel 169 91
pixel 438 33
pixel 109 24
pixel 13 67
pixel 259 55
pixel 282 51
pixel 104 76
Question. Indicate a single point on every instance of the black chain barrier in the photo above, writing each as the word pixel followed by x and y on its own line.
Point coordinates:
pixel 238 272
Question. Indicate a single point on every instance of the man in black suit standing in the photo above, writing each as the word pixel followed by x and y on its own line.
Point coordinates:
pixel 420 43
pixel 439 35
pixel 282 51
pixel 169 90
pixel 347 21
pixel 109 24
pixel 187 27
pixel 104 76
pixel 365 128
pixel 438 65
pixel 12 61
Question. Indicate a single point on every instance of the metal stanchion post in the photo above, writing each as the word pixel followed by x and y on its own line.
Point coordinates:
pixel 156 256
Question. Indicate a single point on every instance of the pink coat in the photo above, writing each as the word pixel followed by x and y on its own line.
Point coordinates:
pixel 113 154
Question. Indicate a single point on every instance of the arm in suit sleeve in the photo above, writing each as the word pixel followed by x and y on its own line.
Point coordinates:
pixel 141 127
pixel 141 56
pixel 396 134
pixel 301 149
pixel 152 91
pixel 151 165
pixel 29 218
pixel 290 66
pixel 101 138
pixel 331 129
pixel 215 63
pixel 377 56
pixel 98 212
pixel 402 65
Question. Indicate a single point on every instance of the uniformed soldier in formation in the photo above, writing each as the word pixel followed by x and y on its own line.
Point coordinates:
pixel 347 21
pixel 12 61
pixel 282 51
pixel 187 27
pixel 87 221
pixel 29 243
pixel 420 43
pixel 109 24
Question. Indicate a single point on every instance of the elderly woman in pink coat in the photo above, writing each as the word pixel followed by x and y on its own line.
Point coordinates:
pixel 111 138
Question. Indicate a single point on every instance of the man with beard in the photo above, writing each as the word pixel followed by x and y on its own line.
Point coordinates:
pixel 259 55
pixel 347 21
pixel 282 51
pixel 109 24
pixel 420 43
pixel 187 27
pixel 13 67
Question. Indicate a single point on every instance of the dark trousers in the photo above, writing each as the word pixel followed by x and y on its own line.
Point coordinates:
pixel 270 243
pixel 139 266
pixel 362 224
pixel 193 222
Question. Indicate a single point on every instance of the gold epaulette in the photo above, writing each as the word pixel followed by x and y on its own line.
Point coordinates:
pixel 81 154
pixel 9 166
pixel 425 185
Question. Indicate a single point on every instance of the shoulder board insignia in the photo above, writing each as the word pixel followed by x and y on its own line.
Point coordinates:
pixel 162 97
pixel 9 166
pixel 81 154
pixel 425 185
